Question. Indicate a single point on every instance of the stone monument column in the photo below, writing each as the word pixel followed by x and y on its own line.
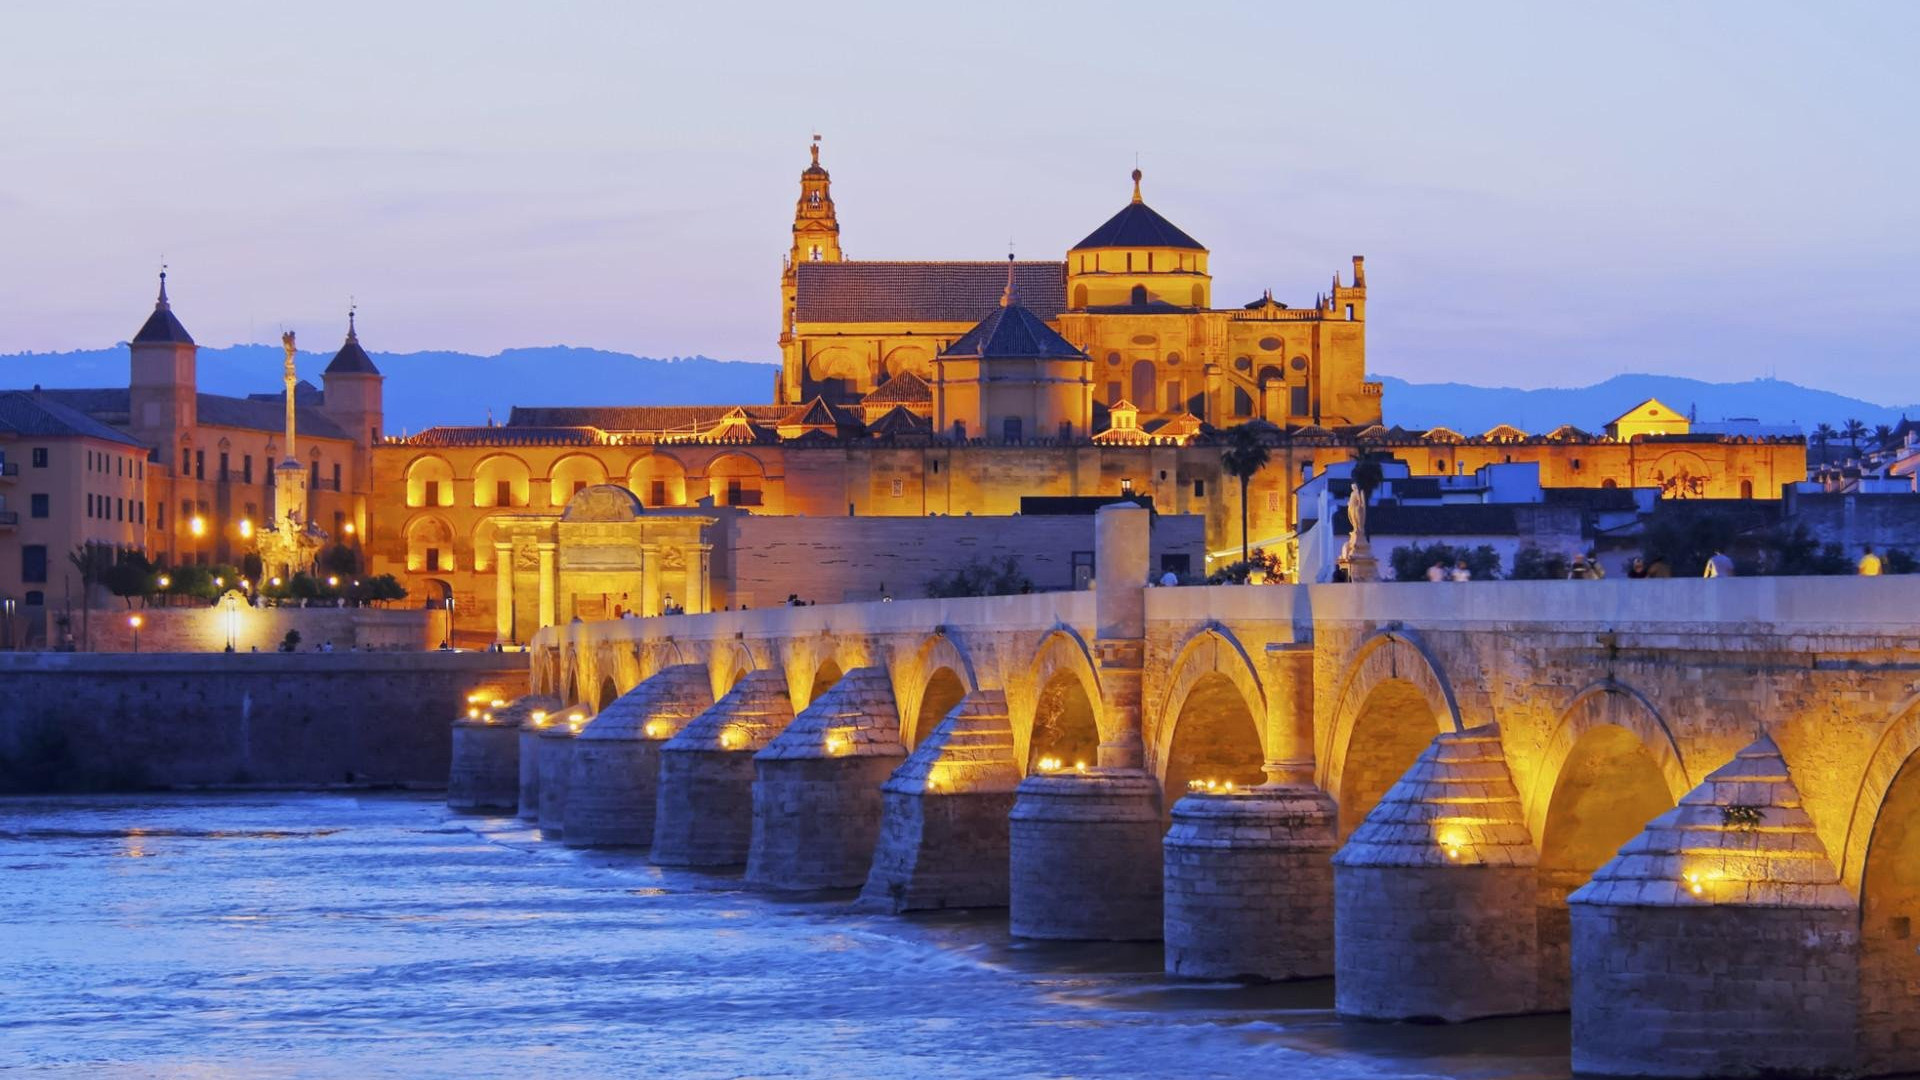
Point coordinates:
pixel 1122 541
pixel 546 581
pixel 1290 758
pixel 503 590
pixel 698 558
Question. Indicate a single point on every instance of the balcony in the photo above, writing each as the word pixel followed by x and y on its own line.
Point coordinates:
pixel 9 470
pixel 9 518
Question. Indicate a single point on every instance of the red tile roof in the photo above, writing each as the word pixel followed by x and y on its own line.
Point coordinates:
pixel 963 292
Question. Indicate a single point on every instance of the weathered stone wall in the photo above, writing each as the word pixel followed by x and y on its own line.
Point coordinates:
pixel 125 721
pixel 205 628
pixel 835 559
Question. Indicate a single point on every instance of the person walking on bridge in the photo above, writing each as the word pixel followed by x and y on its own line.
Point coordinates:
pixel 1870 563
pixel 1718 565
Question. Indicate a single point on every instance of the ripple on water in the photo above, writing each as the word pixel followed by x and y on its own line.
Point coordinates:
pixel 327 936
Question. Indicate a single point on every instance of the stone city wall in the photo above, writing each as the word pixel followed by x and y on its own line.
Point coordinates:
pixel 80 721
pixel 208 628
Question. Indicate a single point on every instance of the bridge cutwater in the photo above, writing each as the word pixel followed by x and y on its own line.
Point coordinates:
pixel 1686 810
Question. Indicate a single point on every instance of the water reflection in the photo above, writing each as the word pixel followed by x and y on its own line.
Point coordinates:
pixel 326 936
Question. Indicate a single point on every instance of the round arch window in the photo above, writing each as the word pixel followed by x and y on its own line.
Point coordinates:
pixel 1299 363
pixel 1173 359
pixel 1243 363
pixel 1269 344
pixel 1113 359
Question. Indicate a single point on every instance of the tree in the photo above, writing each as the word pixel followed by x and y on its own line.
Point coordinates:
pixel 93 561
pixel 1823 434
pixel 1246 454
pixel 384 588
pixel 1854 430
pixel 339 560
pixel 1240 573
pixel 1410 563
pixel 1882 435
pixel 982 577
pixel 131 575
pixel 1367 473
pixel 1686 541
pixel 1532 564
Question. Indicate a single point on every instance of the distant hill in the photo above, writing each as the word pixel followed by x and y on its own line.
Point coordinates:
pixel 428 388
pixel 1473 409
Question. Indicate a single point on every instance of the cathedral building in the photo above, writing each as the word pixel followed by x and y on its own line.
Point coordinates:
pixel 948 389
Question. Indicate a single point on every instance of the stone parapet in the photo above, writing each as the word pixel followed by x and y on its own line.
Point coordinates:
pixel 817 798
pixel 1086 857
pixel 1434 894
pixel 943 824
pixel 1719 942
pixel 704 812
pixel 614 774
pixel 1249 884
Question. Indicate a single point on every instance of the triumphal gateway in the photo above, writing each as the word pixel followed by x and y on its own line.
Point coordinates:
pixel 946 389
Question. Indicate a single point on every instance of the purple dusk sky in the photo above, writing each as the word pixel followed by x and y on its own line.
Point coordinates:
pixel 1546 194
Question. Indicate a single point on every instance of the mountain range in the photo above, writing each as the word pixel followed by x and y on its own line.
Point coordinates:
pixel 428 388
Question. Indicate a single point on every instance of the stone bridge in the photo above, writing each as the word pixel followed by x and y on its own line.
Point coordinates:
pixel 1680 808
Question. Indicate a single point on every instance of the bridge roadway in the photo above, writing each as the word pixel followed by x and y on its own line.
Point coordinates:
pixel 1683 809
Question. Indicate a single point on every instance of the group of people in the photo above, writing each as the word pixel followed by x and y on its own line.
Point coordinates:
pixel 1439 572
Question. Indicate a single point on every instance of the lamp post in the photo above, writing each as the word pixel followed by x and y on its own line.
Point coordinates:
pixel 7 606
pixel 134 621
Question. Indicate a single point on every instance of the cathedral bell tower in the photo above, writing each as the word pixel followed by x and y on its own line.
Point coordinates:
pixel 816 238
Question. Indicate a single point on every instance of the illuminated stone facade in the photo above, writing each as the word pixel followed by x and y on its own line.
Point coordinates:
pixel 954 388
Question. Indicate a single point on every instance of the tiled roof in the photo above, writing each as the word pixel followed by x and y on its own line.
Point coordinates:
pixel 904 388
pixel 1464 519
pixel 508 436
pixel 647 418
pixel 352 359
pixel 161 327
pixel 27 413
pixel 818 413
pixel 1013 332
pixel 900 421
pixel 268 414
pixel 1138 225
pixel 922 291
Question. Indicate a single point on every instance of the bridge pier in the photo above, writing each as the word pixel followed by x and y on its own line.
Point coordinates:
pixel 1434 893
pixel 484 775
pixel 1718 942
pixel 816 792
pixel 1085 857
pixel 555 749
pixel 614 774
pixel 704 814
pixel 529 756
pixel 1249 884
pixel 943 828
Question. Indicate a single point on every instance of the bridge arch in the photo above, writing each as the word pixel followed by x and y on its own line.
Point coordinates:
pixel 938 676
pixel 1393 700
pixel 1610 766
pixel 728 664
pixel 1211 722
pixel 1882 864
pixel 1066 703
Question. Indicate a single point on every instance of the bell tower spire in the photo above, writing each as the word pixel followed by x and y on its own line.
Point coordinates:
pixel 816 238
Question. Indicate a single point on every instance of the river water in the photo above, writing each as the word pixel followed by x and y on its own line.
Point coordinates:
pixel 267 936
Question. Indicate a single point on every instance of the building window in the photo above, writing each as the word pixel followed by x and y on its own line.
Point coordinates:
pixel 33 563
pixel 186 461
pixel 1273 502
pixel 313 476
pixel 503 492
pixel 1300 406
pixel 1746 489
pixel 433 558
pixel 160 516
pixel 89 504
pixel 1010 429
pixel 1349 312
pixel 1139 296
pixel 119 509
pixel 223 466
pixel 579 486
pixel 1242 402
pixel 336 476
pixel 960 430
pixel 199 464
pixel 656 493
pixel 430 492
pixel 1113 393
pixel 39 506
pixel 1199 489
pixel 936 466
pixel 898 487
pixel 140 509
pixel 246 468
pixel 1066 431
pixel 1174 395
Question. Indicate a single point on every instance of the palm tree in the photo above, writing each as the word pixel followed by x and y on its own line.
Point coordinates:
pixel 93 561
pixel 1245 455
pixel 1854 430
pixel 1882 434
pixel 1822 434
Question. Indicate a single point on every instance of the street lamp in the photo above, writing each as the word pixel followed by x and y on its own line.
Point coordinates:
pixel 134 621
pixel 246 529
pixel 198 527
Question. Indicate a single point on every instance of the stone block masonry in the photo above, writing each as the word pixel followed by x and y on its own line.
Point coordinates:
pixel 486 772
pixel 1085 851
pixel 816 792
pixel 613 783
pixel 1249 885
pixel 121 721
pixel 943 827
pixel 704 814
